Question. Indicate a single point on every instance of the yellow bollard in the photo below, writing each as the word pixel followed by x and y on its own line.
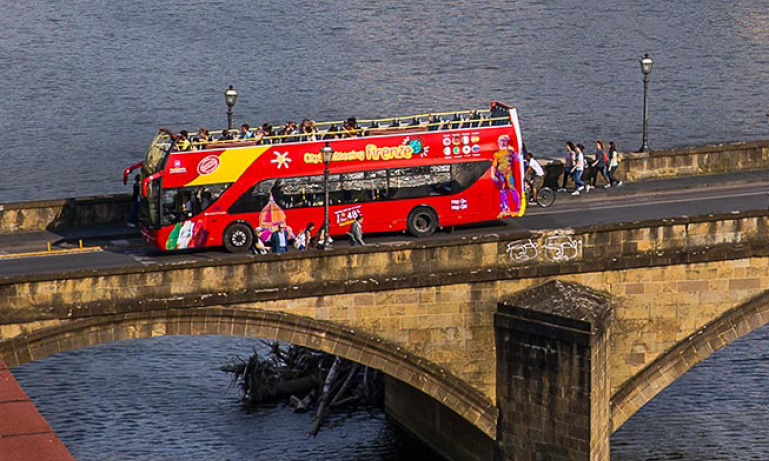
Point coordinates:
pixel 81 244
pixel 49 246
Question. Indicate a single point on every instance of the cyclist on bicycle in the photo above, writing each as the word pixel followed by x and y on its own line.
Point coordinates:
pixel 534 175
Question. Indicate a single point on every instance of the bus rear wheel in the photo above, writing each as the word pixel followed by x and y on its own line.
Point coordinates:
pixel 422 222
pixel 238 238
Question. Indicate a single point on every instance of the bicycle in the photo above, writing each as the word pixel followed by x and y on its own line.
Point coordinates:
pixel 545 195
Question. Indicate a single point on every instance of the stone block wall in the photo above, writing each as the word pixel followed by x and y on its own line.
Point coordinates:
pixel 710 159
pixel 53 215
pixel 683 161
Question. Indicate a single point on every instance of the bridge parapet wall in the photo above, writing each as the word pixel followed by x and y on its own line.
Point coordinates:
pixel 59 214
pixel 682 161
pixel 277 277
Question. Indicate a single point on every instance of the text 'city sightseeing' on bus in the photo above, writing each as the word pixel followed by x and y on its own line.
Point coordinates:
pixel 431 171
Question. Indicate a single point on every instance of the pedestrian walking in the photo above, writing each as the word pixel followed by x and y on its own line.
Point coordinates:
pixel 356 232
pixel 302 240
pixel 578 170
pixel 280 239
pixel 613 165
pixel 599 164
pixel 568 164
pixel 323 241
pixel 135 202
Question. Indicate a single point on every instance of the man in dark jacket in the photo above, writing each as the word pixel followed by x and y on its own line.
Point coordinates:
pixel 356 232
pixel 280 239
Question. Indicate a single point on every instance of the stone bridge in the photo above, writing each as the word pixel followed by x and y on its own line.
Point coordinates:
pixel 435 317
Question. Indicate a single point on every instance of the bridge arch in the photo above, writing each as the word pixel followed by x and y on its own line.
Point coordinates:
pixel 320 335
pixel 646 384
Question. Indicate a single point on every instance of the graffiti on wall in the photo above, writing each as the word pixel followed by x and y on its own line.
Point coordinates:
pixel 554 248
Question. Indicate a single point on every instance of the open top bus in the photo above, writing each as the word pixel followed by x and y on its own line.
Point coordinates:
pixel 440 170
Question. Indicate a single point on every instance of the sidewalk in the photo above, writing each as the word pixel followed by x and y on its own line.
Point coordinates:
pixel 757 177
pixel 23 242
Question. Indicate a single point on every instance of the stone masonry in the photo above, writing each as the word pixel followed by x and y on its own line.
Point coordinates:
pixel 671 281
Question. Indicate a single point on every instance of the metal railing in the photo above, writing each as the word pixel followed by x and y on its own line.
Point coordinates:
pixel 394 124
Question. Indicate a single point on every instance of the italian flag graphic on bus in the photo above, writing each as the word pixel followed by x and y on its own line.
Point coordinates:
pixel 186 234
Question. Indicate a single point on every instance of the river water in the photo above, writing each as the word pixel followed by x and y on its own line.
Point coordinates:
pixel 164 398
pixel 86 84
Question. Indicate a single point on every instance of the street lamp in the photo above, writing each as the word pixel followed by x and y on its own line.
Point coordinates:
pixel 230 98
pixel 328 153
pixel 646 68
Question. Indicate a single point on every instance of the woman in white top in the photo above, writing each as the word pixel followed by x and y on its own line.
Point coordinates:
pixel 579 168
pixel 613 165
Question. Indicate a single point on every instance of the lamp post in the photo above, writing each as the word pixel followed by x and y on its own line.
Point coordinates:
pixel 646 68
pixel 328 153
pixel 230 98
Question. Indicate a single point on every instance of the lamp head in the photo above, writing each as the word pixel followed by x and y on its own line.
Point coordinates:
pixel 646 64
pixel 230 96
pixel 328 152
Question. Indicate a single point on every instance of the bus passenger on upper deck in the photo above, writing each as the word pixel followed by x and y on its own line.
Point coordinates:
pixel 204 138
pixel 350 128
pixel 227 136
pixel 309 130
pixel 288 129
pixel 267 133
pixel 476 119
pixel 182 143
pixel 332 133
pixel 246 133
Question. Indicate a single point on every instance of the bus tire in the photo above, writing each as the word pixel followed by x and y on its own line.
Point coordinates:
pixel 422 221
pixel 238 238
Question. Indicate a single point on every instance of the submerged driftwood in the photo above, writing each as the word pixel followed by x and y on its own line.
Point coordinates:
pixel 307 377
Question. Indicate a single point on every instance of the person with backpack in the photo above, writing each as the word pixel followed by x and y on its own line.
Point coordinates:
pixel 613 165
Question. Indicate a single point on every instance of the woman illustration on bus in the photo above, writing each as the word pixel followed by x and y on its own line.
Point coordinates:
pixel 502 172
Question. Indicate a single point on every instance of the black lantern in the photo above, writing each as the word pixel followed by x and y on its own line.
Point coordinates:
pixel 230 98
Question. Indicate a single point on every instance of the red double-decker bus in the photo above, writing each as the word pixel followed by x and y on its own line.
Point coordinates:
pixel 458 168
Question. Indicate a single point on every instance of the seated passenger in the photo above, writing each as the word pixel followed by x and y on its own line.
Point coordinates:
pixel 332 133
pixel 267 134
pixel 287 131
pixel 456 122
pixel 476 118
pixel 182 143
pixel 246 133
pixel 433 122
pixel 204 138
pixel 227 136
pixel 309 130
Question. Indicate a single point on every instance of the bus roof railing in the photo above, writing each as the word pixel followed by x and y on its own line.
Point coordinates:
pixel 320 135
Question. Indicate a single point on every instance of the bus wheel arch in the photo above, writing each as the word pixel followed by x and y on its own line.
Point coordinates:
pixel 422 221
pixel 238 237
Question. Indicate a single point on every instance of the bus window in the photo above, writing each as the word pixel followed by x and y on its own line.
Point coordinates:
pixel 466 174
pixel 180 203
pixel 422 181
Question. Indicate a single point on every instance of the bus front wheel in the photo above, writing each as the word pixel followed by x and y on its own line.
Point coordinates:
pixel 422 222
pixel 238 238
